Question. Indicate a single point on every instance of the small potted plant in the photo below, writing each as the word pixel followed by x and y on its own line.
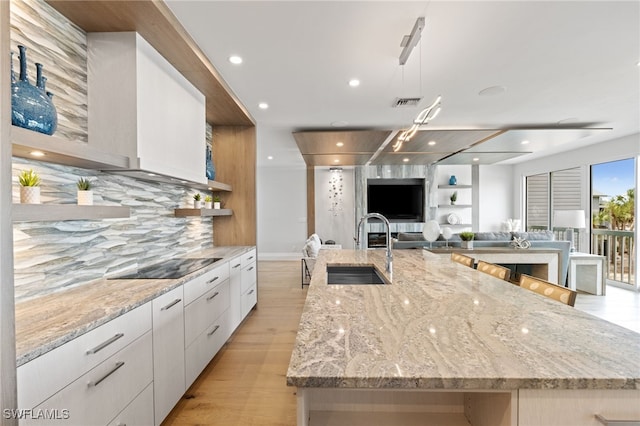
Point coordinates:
pixel 454 197
pixel 85 194
pixel 29 187
pixel 208 202
pixel 216 202
pixel 197 201
pixel 467 240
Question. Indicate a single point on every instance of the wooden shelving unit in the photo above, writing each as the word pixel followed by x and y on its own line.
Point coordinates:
pixel 203 212
pixel 55 212
pixel 60 151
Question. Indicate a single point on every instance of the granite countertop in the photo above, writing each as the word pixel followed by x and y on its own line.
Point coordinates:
pixel 442 325
pixel 44 323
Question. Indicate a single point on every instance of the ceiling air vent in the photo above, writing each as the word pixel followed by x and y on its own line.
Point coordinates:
pixel 406 102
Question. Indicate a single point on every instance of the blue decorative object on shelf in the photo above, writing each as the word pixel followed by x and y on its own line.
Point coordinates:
pixel 32 106
pixel 453 180
pixel 211 170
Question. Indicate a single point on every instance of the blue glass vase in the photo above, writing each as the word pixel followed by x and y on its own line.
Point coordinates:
pixel 453 180
pixel 32 106
pixel 211 170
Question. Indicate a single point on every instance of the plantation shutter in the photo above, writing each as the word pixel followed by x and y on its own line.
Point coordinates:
pixel 538 201
pixel 566 191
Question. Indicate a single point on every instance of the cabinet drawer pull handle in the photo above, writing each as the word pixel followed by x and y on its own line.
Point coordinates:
pixel 235 266
pixel 251 292
pixel 212 280
pixel 104 344
pixel 250 268
pixel 213 295
pixel 608 422
pixel 250 257
pixel 172 304
pixel 214 330
pixel 97 382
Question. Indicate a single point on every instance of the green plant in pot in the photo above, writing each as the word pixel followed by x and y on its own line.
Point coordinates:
pixel 467 239
pixel 454 197
pixel 29 187
pixel 217 202
pixel 197 200
pixel 85 194
pixel 208 202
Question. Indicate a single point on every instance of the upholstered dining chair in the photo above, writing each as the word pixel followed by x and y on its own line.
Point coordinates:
pixel 545 288
pixel 495 270
pixel 461 258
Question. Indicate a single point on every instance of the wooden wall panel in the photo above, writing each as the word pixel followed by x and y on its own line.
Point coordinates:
pixel 234 156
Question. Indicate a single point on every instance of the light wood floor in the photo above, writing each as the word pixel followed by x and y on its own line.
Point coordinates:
pixel 245 383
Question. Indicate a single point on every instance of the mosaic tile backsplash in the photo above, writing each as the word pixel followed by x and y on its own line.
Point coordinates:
pixel 51 256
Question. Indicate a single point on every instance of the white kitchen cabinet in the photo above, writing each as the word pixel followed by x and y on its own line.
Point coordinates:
pixel 168 352
pixel 577 407
pixel 205 282
pixel 100 394
pixel 249 287
pixel 206 322
pixel 139 412
pixel 40 378
pixel 235 294
pixel 140 106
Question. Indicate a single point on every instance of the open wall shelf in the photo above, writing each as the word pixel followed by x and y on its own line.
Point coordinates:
pixel 55 212
pixel 203 212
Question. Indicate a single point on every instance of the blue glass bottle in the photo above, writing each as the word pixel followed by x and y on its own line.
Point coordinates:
pixel 453 180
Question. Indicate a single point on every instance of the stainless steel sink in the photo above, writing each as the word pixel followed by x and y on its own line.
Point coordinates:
pixel 354 275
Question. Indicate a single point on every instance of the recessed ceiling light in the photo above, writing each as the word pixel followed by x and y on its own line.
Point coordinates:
pixel 354 82
pixel 340 123
pixel 263 105
pixel 406 160
pixel 270 157
pixel 151 174
pixel 340 144
pixel 235 59
pixel 336 161
pixel 524 142
pixel 210 188
pixel 432 143
pixel 37 153
pixel 492 91
pixel 476 159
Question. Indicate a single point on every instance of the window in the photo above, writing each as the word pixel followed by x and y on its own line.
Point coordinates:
pixel 547 192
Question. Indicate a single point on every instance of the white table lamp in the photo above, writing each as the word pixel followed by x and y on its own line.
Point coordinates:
pixel 569 219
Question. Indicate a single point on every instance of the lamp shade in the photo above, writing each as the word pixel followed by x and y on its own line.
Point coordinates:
pixel 569 219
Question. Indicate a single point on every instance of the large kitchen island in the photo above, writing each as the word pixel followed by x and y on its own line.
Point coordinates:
pixel 444 344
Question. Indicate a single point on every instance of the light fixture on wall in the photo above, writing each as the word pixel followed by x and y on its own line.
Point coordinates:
pixel 335 190
pixel 425 116
pixel 570 220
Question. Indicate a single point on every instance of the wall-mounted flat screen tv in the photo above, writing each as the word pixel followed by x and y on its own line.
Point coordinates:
pixel 399 200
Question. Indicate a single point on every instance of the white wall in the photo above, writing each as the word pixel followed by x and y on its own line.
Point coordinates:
pixel 340 226
pixel 495 191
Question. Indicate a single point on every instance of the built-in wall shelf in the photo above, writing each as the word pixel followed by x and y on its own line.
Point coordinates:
pixel 203 212
pixel 455 186
pixel 61 151
pixel 55 212
pixel 213 185
pixel 456 225
pixel 454 206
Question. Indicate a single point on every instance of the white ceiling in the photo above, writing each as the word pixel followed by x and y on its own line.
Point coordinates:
pixel 574 61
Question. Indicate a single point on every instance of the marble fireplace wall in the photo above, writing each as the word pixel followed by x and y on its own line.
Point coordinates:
pixel 51 256
pixel 362 173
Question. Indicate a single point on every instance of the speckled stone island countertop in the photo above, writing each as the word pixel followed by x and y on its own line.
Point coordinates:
pixel 44 323
pixel 442 325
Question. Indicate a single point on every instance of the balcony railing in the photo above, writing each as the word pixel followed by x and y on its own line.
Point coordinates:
pixel 619 249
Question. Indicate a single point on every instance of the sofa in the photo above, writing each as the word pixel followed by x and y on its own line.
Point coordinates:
pixel 543 239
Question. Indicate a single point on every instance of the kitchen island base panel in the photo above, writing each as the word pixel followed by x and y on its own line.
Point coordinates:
pixel 331 406
pixel 577 407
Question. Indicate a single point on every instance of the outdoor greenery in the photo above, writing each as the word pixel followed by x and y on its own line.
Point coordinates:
pixel 619 212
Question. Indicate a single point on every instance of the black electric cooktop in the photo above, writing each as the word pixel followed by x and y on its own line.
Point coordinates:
pixel 174 268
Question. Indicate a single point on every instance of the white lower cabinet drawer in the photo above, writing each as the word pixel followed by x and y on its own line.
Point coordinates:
pixel 576 407
pixel 139 412
pixel 249 276
pixel 99 395
pixel 44 376
pixel 249 300
pixel 203 283
pixel 205 346
pixel 201 313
